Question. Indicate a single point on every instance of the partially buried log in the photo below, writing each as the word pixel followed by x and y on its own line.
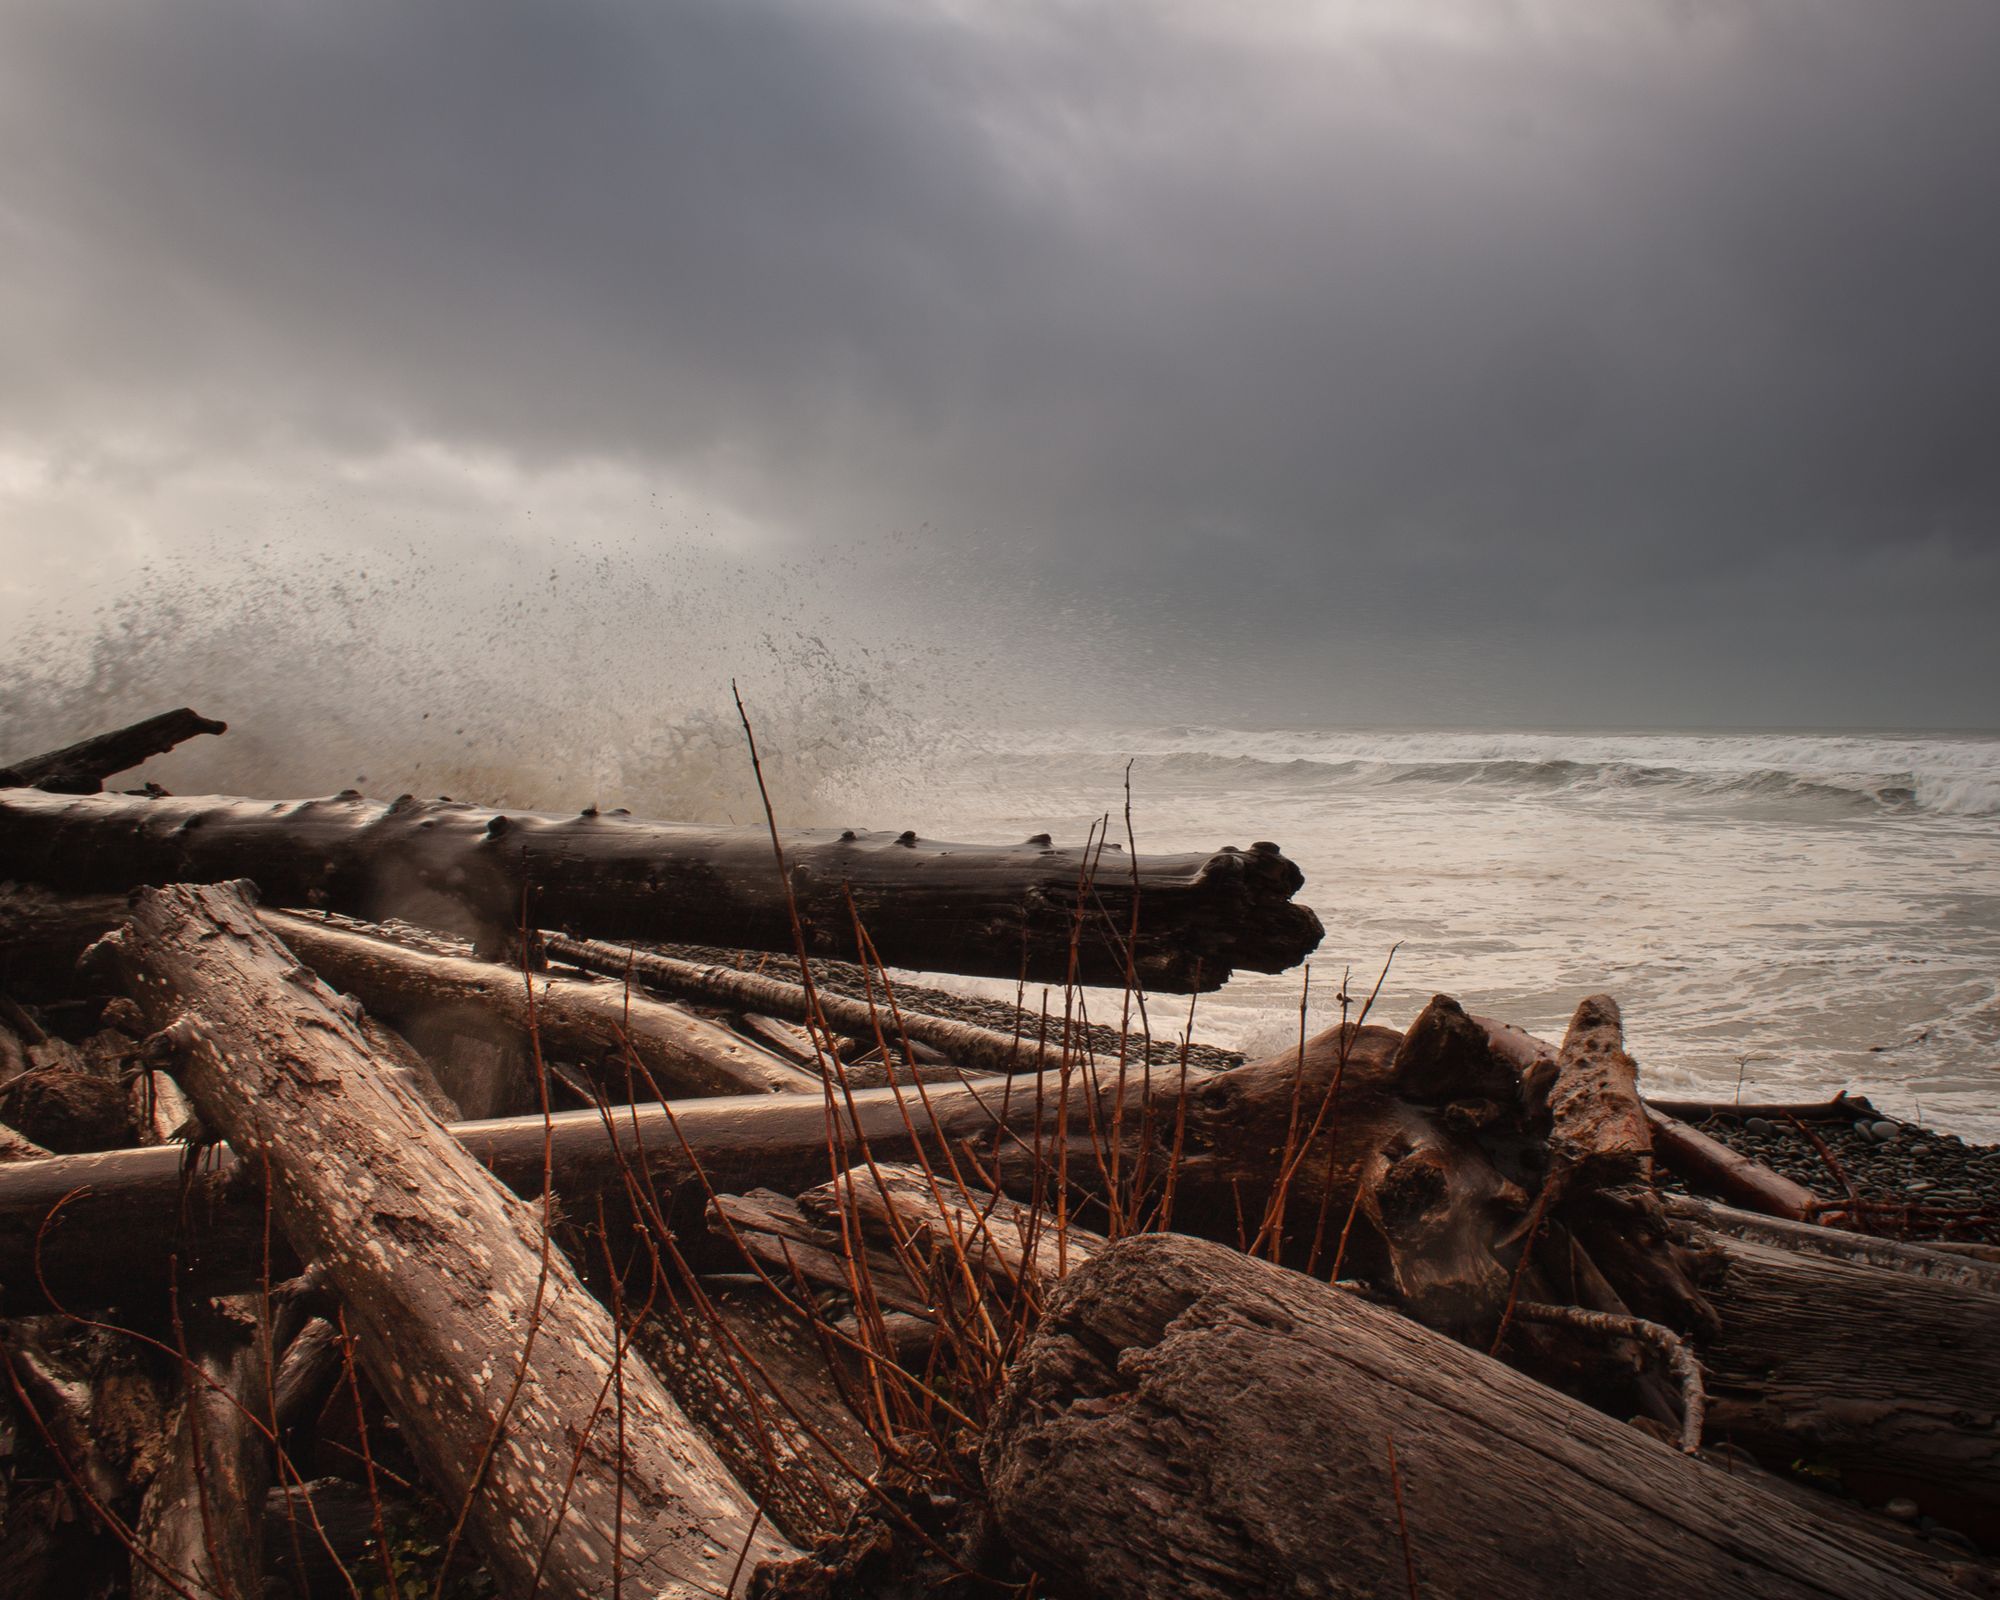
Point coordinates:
pixel 81 768
pixel 1272 1435
pixel 1030 910
pixel 476 1333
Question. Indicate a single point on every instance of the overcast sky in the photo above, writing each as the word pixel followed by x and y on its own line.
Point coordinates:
pixel 1553 362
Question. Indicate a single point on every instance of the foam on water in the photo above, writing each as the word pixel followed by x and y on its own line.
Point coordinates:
pixel 1799 911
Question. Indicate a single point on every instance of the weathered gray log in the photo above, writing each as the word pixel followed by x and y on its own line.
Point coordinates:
pixel 1271 1435
pixel 1600 1125
pixel 493 1358
pixel 81 768
pixel 1223 1137
pixel 201 1525
pixel 446 999
pixel 965 1043
pixel 594 1023
pixel 1003 911
pixel 1890 1377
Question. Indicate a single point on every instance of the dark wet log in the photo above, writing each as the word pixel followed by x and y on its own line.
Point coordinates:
pixel 1272 1435
pixel 590 1023
pixel 82 768
pixel 967 1044
pixel 1713 1168
pixel 997 910
pixel 201 1524
pixel 466 1319
pixel 67 1111
pixel 1888 1376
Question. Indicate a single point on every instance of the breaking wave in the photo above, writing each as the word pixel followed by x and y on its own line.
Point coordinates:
pixel 1955 776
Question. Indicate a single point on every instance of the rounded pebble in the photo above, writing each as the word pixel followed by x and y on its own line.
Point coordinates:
pixel 1902 1508
pixel 1887 1133
pixel 1760 1127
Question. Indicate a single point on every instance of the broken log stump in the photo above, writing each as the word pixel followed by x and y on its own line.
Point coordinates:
pixel 998 910
pixel 1271 1435
pixel 494 1359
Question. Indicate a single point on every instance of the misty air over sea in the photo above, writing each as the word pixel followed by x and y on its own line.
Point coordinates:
pixel 1789 912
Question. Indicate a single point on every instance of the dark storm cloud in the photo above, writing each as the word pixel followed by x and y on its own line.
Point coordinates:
pixel 1585 360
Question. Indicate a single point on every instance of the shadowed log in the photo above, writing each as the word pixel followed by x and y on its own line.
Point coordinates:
pixel 202 1522
pixel 491 1355
pixel 1002 911
pixel 82 768
pixel 1888 1376
pixel 1273 1435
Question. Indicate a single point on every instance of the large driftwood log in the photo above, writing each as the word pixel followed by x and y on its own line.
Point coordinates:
pixel 1889 1377
pixel 1215 1148
pixel 1271 1435
pixel 593 1023
pixel 1003 911
pixel 495 1361
pixel 763 1391
pixel 82 768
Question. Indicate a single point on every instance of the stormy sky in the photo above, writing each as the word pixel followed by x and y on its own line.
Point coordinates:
pixel 1549 363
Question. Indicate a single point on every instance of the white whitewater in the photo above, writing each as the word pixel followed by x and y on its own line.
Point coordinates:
pixel 1799 912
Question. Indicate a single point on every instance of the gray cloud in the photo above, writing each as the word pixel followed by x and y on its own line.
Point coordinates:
pixel 1549 361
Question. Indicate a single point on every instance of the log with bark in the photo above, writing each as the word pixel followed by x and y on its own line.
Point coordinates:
pixel 496 1362
pixel 1269 1434
pixel 81 768
pixel 1051 915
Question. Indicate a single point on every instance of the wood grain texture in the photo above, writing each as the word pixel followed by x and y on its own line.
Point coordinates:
pixel 447 1282
pixel 1192 1424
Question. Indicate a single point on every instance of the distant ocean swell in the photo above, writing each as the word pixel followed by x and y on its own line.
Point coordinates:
pixel 1945 778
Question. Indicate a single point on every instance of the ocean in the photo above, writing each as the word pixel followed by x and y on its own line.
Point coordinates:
pixel 1780 915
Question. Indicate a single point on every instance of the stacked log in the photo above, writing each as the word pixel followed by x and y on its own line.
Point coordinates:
pixel 734 1302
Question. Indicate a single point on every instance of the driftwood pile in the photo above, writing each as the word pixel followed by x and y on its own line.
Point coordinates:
pixel 338 1259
